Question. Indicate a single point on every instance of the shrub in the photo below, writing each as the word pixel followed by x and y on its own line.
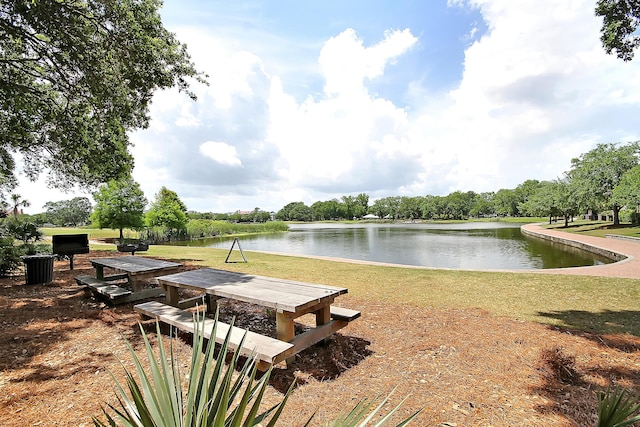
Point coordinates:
pixel 9 256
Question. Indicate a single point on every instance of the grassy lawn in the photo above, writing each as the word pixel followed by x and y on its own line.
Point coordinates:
pixel 597 228
pixel 594 304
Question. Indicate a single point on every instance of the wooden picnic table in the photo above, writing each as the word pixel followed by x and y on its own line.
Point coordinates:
pixel 289 299
pixel 133 269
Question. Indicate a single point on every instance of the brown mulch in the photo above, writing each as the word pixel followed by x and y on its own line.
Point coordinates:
pixel 464 367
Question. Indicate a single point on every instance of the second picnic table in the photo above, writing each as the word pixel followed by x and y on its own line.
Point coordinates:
pixel 289 299
pixel 132 268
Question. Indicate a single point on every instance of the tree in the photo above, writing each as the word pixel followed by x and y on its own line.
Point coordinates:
pixel 348 207
pixel 410 208
pixel 506 202
pixel 483 205
pixel 361 205
pixel 542 202
pixel 73 212
pixel 627 192
pixel 17 202
pixel 168 211
pixel 75 77
pixel 119 204
pixel 295 211
pixel 621 19
pixel 595 174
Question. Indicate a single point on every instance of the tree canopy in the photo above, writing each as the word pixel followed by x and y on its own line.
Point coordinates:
pixel 621 19
pixel 595 174
pixel 68 212
pixel 168 211
pixel 75 76
pixel 119 204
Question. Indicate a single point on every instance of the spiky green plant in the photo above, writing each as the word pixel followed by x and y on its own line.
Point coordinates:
pixel 361 414
pixel 617 408
pixel 213 397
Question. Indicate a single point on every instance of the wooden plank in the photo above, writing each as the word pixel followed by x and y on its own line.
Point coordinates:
pixel 314 335
pixel 114 277
pixel 109 290
pixel 268 293
pixel 206 278
pixel 342 313
pixel 134 264
pixel 269 350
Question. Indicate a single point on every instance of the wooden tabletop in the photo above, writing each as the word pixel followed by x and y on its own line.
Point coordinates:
pixel 134 264
pixel 279 294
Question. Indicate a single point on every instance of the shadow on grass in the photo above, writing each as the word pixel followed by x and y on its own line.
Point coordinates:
pixel 603 322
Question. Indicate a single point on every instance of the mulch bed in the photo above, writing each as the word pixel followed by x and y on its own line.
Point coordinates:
pixel 463 367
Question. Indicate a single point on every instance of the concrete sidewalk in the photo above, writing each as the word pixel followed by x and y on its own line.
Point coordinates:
pixel 629 267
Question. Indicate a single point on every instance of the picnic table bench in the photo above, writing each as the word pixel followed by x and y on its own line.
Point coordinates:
pixel 289 299
pixel 130 269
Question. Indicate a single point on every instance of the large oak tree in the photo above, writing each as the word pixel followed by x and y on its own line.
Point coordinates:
pixel 595 174
pixel 75 76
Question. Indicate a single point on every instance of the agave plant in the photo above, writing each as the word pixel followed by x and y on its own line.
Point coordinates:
pixel 617 408
pixel 213 397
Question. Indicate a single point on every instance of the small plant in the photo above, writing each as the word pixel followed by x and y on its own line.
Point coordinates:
pixel 617 408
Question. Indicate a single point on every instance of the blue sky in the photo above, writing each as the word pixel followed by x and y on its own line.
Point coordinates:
pixel 314 100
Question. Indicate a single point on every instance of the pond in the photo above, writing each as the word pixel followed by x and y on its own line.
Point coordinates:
pixel 471 245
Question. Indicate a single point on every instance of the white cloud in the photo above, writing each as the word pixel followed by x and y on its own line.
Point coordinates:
pixel 221 153
pixel 537 90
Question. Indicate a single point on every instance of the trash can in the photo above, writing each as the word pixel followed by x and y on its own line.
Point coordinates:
pixel 38 269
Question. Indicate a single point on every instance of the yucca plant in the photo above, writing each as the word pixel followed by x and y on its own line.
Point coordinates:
pixel 617 408
pixel 213 397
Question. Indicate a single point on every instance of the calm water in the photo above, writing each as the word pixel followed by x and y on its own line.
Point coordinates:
pixel 477 246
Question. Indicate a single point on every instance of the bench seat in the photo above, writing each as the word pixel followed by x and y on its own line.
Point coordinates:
pixel 341 313
pixel 268 350
pixel 109 290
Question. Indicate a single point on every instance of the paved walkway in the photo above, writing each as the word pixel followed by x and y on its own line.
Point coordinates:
pixel 629 267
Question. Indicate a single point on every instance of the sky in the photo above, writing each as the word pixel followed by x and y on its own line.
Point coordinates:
pixel 310 101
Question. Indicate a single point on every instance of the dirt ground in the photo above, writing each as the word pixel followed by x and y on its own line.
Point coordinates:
pixel 463 367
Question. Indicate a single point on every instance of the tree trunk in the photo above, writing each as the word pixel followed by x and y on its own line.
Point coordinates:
pixel 616 215
pixel 549 219
pixel 121 237
pixel 566 220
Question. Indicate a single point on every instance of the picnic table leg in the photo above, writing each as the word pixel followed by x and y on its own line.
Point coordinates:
pixel 99 272
pixel 134 283
pixel 171 294
pixel 323 316
pixel 212 303
pixel 285 330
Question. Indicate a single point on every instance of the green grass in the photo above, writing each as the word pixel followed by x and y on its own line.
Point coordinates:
pixel 595 304
pixel 597 228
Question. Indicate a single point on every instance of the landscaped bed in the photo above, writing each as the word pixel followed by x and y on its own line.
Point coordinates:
pixel 465 367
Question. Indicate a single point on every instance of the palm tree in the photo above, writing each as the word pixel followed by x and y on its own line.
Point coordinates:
pixel 17 203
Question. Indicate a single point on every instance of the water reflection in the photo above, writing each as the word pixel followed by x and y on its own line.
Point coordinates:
pixel 474 246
